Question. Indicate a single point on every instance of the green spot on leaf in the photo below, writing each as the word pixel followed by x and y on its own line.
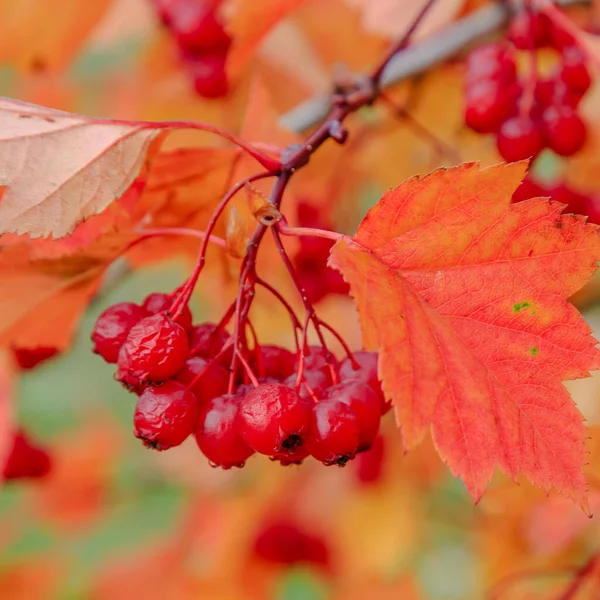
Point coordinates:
pixel 517 307
pixel 534 351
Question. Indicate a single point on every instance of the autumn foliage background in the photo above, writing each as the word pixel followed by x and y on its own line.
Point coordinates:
pixel 113 521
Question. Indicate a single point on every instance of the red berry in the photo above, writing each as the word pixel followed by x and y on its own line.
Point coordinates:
pixel 112 328
pixel 592 209
pixel 29 358
pixel 529 30
pixel 26 460
pixel 277 362
pixel 560 38
pixel 488 105
pixel 367 365
pixel 529 188
pixel 555 92
pixel 334 432
pixel 273 419
pixel 319 359
pixel 369 464
pixel 519 138
pixel 206 341
pixel 576 202
pixel 317 380
pixel 212 383
pixel 155 349
pixel 574 70
pixel 217 434
pixel 197 28
pixel 165 416
pixel 365 404
pixel 283 542
pixel 208 74
pixel 564 130
pixel 159 302
pixel 493 63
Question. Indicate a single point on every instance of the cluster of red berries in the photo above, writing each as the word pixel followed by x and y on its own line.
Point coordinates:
pixel 26 459
pixel 315 277
pixel 181 374
pixel 530 113
pixel 202 41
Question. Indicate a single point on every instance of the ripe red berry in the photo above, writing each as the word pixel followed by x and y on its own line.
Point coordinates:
pixel 518 138
pixel 494 62
pixel 29 358
pixel 488 105
pixel 208 74
pixel 277 362
pixel 334 432
pixel 555 92
pixel 283 542
pixel 155 349
pixel 273 419
pixel 365 404
pixel 165 415
pixel 592 209
pixel 26 459
pixel 369 464
pixel 112 328
pixel 217 434
pixel 317 380
pixel 196 27
pixel 565 132
pixel 530 188
pixel 576 202
pixel 159 302
pixel 367 365
pixel 206 341
pixel 574 70
pixel 212 383
pixel 319 359
pixel 530 30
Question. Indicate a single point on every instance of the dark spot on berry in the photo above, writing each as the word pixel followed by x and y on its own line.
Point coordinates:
pixel 291 443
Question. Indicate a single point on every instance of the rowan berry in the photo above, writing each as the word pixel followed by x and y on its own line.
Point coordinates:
pixel 26 459
pixel 165 415
pixel 213 380
pixel 155 349
pixel 112 328
pixel 334 432
pixel 217 434
pixel 564 130
pixel 519 138
pixel 365 404
pixel 273 419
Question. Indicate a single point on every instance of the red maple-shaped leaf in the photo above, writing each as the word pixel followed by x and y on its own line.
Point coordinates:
pixel 465 295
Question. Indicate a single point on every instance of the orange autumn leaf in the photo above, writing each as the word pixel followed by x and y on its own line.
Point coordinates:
pixel 465 295
pixel 30 42
pixel 60 168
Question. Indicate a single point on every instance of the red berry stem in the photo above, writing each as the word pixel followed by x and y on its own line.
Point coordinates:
pixel 268 162
pixel 188 288
pixel 341 340
pixel 326 234
pixel 247 368
pixel 311 315
pixel 293 316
